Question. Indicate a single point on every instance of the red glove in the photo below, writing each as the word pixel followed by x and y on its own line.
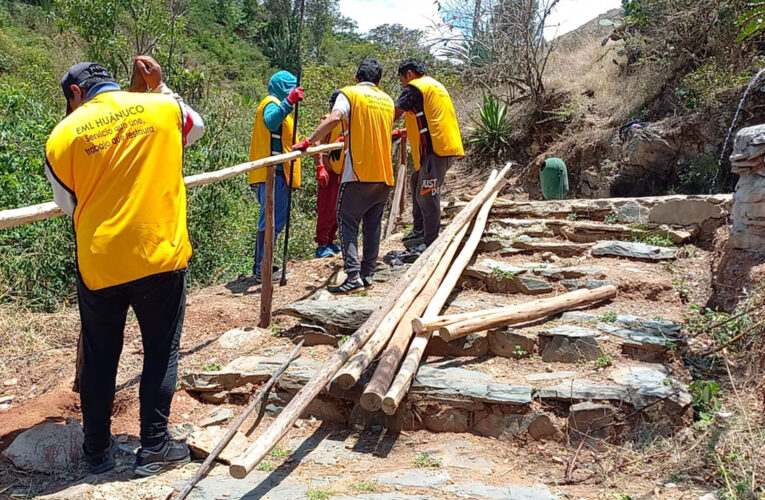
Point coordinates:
pixel 340 139
pixel 295 95
pixel 302 145
pixel 322 176
pixel 398 134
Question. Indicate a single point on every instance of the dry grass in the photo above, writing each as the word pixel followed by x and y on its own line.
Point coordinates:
pixel 27 337
pixel 584 66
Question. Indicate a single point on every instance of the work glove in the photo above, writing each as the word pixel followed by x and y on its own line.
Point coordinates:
pixel 150 70
pixel 295 95
pixel 335 155
pixel 322 176
pixel 398 134
pixel 302 145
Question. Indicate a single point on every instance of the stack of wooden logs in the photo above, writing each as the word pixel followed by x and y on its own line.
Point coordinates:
pixel 399 329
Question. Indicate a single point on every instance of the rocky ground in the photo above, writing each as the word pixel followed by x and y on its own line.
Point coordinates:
pixel 579 406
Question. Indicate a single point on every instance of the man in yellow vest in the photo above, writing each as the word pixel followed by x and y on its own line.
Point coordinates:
pixel 367 174
pixel 434 136
pixel 115 164
pixel 272 135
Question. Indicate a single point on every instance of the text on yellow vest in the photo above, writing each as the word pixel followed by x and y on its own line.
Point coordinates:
pixel 441 120
pixel 121 155
pixel 370 126
pixel 260 144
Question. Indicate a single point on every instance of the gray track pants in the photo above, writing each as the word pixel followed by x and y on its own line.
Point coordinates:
pixel 426 195
pixel 360 202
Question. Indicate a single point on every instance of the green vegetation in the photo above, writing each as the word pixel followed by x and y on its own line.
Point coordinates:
pixel 219 57
pixel 279 452
pixel 705 399
pixel 425 459
pixel 520 352
pixel 655 239
pixel 609 317
pixel 265 466
pixel 604 361
pixel 211 367
pixel 364 486
pixel 319 494
pixel 491 135
pixel 572 217
pixel 502 274
pixel 611 219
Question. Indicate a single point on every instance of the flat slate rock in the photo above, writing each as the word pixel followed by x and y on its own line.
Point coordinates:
pixel 512 492
pixel 501 277
pixel 633 250
pixel 414 478
pixel 238 337
pixel 540 377
pixel 557 247
pixel 340 315
pixel 577 284
pixel 658 327
pixel 573 272
pixel 569 344
pixel 647 340
pixel 651 383
pixel 258 485
pixel 48 447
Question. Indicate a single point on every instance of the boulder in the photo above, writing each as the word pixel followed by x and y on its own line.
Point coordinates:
pixel 474 344
pixel 569 344
pixel 240 337
pixel 633 250
pixel 201 442
pixel 507 343
pixel 685 212
pixel 48 447
pixel 591 419
pixel 343 315
pixel 540 426
pixel 633 212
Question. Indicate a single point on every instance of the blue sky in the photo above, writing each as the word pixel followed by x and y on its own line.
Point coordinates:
pixel 421 14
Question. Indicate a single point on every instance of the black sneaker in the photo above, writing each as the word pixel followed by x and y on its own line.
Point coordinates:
pixel 413 235
pixel 276 275
pixel 171 454
pixel 348 286
pixel 98 463
pixel 368 282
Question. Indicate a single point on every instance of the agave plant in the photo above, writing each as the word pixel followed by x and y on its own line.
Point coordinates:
pixel 492 130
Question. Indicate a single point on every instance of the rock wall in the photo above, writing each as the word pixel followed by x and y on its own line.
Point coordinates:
pixel 748 161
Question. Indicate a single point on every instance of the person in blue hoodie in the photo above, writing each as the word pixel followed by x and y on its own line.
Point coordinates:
pixel 272 135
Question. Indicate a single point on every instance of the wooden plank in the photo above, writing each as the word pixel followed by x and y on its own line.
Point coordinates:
pixel 26 215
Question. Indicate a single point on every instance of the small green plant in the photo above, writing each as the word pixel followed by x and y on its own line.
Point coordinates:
pixel 620 496
pixel 279 452
pixel 502 274
pixel 705 400
pixel 670 344
pixel 276 330
pixel 343 340
pixel 265 466
pixel 609 317
pixel 572 216
pixel 520 352
pixel 491 134
pixel 211 367
pixel 655 239
pixel 318 494
pixel 611 219
pixel 682 289
pixel 364 486
pixel 425 459
pixel 604 361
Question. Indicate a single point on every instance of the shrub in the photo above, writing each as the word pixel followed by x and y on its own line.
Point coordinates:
pixel 492 129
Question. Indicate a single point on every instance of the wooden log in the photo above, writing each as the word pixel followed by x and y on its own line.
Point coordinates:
pixel 433 324
pixel 529 311
pixel 371 399
pixel 349 376
pixel 404 377
pixel 395 206
pixel 26 215
pixel 266 263
pixel 279 427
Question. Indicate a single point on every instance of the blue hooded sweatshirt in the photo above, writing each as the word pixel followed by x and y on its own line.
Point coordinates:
pixel 279 86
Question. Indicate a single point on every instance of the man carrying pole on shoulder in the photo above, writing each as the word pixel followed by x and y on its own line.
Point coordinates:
pixel 272 135
pixel 434 136
pixel 115 164
pixel 367 174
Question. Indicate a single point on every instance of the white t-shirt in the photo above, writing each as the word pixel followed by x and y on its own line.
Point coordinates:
pixel 343 106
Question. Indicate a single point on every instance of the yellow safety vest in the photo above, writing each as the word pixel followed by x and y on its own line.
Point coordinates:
pixel 337 165
pixel 121 155
pixel 369 137
pixel 441 120
pixel 260 144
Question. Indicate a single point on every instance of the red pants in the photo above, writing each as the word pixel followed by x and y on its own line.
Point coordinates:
pixel 326 211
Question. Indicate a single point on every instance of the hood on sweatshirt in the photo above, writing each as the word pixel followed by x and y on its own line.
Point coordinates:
pixel 281 84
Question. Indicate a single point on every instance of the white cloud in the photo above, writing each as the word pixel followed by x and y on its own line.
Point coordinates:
pixel 414 14
pixel 570 14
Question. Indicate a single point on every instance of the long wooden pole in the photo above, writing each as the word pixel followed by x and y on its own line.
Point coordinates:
pixel 399 192
pixel 350 374
pixel 279 427
pixel 371 399
pixel 528 312
pixel 420 325
pixel 267 260
pixel 295 354
pixel 26 215
pixel 403 379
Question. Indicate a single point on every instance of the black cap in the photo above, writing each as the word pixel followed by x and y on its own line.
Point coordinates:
pixel 78 74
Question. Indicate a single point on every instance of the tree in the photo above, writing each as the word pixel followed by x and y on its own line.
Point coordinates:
pixel 396 39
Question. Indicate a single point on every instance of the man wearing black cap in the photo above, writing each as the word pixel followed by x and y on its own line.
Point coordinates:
pixel 115 164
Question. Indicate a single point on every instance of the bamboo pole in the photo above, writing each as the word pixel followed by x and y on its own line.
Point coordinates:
pixel 350 374
pixel 279 427
pixel 295 354
pixel 26 215
pixel 403 379
pixel 267 260
pixel 529 311
pixel 371 399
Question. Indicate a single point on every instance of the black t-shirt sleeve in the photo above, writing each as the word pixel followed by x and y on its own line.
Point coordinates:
pixel 410 99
